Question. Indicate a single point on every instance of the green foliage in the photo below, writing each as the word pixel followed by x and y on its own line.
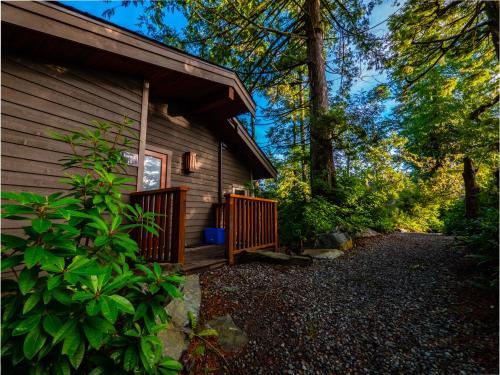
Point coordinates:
pixel 303 220
pixel 373 191
pixel 479 235
pixel 204 351
pixel 264 41
pixel 82 303
pixel 425 34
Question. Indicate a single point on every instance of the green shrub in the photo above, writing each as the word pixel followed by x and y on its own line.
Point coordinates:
pixel 81 302
pixel 302 220
pixel 454 221
pixel 480 235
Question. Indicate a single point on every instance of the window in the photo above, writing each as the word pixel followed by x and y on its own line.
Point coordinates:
pixel 155 170
pixel 240 190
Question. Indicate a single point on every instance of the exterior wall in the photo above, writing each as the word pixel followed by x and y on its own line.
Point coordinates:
pixel 234 171
pixel 178 135
pixel 40 97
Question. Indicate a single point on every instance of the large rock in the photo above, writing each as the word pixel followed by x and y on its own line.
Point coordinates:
pixel 175 337
pixel 274 257
pixel 367 233
pixel 230 337
pixel 191 299
pixel 334 240
pixel 323 253
pixel 175 341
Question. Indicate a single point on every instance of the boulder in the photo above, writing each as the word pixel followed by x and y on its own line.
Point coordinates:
pixel 175 337
pixel 366 233
pixel 323 253
pixel 275 258
pixel 191 299
pixel 230 337
pixel 334 240
pixel 175 341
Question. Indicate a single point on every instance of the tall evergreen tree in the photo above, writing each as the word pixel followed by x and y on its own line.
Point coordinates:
pixel 267 41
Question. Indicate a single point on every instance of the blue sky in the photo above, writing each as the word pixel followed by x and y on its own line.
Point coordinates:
pixel 128 18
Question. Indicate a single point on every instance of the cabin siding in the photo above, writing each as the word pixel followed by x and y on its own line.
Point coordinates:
pixel 38 98
pixel 234 171
pixel 178 135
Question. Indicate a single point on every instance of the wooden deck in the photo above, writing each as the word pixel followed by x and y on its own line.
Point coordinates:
pixel 204 257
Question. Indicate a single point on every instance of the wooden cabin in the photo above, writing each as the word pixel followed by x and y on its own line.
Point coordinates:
pixel 193 160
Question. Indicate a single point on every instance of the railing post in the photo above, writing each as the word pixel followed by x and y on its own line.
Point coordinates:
pixel 179 226
pixel 276 242
pixel 229 218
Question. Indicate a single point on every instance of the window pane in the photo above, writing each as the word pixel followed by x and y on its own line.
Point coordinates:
pixel 152 173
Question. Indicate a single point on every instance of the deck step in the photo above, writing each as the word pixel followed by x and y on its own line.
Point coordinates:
pixel 201 267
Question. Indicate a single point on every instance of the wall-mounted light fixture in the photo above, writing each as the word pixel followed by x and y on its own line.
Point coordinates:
pixel 189 162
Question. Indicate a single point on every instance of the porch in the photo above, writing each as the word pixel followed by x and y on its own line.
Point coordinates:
pixel 250 224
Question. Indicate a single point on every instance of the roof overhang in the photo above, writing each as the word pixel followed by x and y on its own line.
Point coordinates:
pixel 49 29
pixel 253 152
pixel 204 89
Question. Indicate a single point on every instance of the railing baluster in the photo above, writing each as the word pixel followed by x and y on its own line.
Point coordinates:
pixel 236 224
pixel 262 229
pixel 168 227
pixel 149 245
pixel 142 230
pixel 257 222
pixel 252 225
pixel 245 223
pixel 161 230
pixel 275 227
pixel 178 227
pixel 229 228
pixel 264 222
pixel 269 221
pixel 170 207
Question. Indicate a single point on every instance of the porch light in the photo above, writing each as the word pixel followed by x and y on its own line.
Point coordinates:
pixel 189 162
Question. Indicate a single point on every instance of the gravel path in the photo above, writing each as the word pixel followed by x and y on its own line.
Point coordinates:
pixel 397 304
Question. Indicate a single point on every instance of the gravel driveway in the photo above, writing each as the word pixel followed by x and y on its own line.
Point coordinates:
pixel 397 304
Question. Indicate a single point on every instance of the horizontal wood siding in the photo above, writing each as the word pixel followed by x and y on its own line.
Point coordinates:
pixel 178 135
pixel 234 171
pixel 40 97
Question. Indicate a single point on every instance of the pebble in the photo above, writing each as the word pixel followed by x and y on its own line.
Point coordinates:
pixel 370 311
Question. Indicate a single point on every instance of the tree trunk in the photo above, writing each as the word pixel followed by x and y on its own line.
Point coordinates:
pixel 492 12
pixel 302 130
pixel 294 132
pixel 471 189
pixel 322 168
pixel 294 145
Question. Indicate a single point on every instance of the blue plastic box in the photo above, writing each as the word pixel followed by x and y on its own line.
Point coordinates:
pixel 214 236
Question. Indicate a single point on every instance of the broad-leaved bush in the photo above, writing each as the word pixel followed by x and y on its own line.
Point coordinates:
pixel 80 300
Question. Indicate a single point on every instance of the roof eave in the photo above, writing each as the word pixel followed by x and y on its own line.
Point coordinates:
pixel 68 23
pixel 255 149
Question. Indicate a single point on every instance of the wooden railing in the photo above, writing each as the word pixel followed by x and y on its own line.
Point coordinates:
pixel 220 209
pixel 170 206
pixel 250 223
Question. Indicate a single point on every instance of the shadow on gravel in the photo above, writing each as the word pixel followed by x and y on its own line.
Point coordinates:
pixel 400 303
